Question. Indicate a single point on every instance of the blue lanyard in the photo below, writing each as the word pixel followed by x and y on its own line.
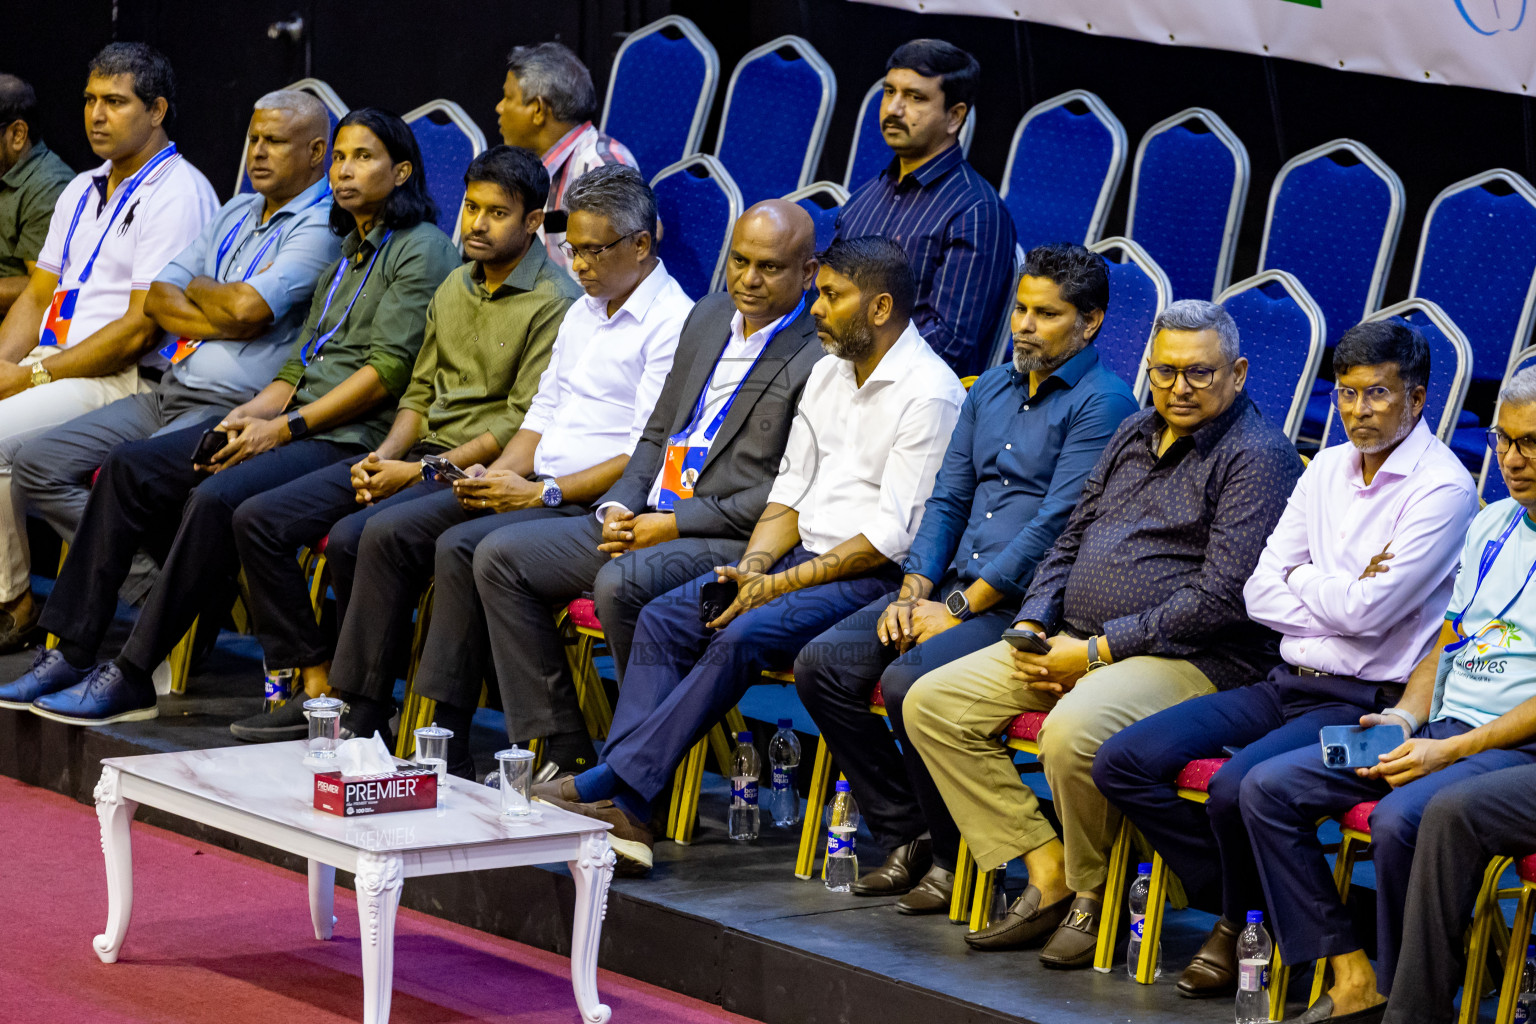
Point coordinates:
pixel 719 420
pixel 125 192
pixel 1484 566
pixel 312 347
pixel 252 267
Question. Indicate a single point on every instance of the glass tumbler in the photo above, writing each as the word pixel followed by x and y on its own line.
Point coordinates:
pixel 432 749
pixel 324 714
pixel 516 766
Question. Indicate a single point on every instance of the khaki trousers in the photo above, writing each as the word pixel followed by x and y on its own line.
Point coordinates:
pixel 956 714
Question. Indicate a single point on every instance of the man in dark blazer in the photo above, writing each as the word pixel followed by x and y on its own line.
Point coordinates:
pixel 722 420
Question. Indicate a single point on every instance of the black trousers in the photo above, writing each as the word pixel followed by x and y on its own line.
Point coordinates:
pixel 835 674
pixel 497 592
pixel 148 495
pixel 1464 827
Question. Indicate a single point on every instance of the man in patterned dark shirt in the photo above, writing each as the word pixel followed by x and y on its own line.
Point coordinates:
pixel 1141 602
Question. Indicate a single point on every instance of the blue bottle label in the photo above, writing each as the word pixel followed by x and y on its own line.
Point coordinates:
pixel 744 791
pixel 780 779
pixel 837 844
pixel 1138 922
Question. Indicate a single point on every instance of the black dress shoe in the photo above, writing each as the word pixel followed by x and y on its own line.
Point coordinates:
pixel 1213 971
pixel 931 895
pixel 899 873
pixel 1072 946
pixel 1321 1012
pixel 1025 924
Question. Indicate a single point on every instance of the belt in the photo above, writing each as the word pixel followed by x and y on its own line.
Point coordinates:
pixel 1302 670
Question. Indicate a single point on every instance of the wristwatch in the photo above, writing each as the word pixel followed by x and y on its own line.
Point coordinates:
pixel 1094 661
pixel 297 427
pixel 40 375
pixel 959 605
pixel 551 496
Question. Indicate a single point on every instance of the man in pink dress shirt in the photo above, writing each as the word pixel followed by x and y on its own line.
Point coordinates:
pixel 1355 578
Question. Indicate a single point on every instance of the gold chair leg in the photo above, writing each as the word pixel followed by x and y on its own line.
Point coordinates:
pixel 965 884
pixel 722 746
pixel 1514 964
pixel 815 809
pixel 1483 919
pixel 1152 924
pixel 180 659
pixel 981 899
pixel 1279 981
pixel 685 794
pixel 1114 900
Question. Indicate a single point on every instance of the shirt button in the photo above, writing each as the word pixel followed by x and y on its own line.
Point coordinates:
pixel 975 555
pixel 1008 447
pixel 1006 483
pixel 989 515
pixel 1026 408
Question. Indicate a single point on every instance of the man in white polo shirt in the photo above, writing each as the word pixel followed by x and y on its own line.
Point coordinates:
pixel 72 341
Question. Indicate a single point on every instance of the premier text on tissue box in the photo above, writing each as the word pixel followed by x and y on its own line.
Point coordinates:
pixel 404 789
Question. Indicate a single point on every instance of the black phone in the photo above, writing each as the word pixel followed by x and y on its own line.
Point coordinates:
pixel 210 444
pixel 442 468
pixel 715 598
pixel 1025 640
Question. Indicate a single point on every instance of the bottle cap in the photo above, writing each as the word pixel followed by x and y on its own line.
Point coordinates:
pixel 1255 917
pixel 842 786
pixel 744 737
pixel 1143 869
pixel 786 723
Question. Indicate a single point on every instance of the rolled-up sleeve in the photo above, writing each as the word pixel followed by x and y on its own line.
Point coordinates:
pixel 909 474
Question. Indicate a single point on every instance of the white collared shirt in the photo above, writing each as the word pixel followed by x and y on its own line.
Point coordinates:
pixel 862 460
pixel 1307 582
pixel 605 375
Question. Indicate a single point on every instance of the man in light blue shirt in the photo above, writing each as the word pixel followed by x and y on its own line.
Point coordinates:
pixel 231 305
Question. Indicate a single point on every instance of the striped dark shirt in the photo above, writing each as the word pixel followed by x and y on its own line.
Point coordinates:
pixel 960 240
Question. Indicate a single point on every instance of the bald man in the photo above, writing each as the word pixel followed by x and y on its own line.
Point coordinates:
pixel 230 306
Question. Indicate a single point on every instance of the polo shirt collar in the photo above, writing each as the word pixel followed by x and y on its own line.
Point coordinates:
pixel 298 203
pixel 640 300
pixel 1404 458
pixel 561 151
pixel 931 171
pixel 18 175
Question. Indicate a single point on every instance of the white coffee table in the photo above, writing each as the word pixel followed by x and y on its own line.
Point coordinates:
pixel 265 793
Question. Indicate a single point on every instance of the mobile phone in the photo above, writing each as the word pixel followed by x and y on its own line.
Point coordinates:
pixel 1026 640
pixel 209 445
pixel 1359 746
pixel 715 598
pixel 442 468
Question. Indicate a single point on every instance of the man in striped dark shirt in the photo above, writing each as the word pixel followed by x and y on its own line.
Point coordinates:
pixel 930 201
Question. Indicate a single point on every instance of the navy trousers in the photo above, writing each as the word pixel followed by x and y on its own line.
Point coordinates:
pixel 1282 800
pixel 1207 846
pixel 683 677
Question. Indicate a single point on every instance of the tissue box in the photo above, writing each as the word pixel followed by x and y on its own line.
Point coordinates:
pixel 404 789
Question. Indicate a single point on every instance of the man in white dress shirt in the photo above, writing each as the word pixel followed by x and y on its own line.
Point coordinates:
pixel 863 453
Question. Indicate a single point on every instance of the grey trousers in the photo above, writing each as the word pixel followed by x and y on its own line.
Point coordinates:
pixel 52 472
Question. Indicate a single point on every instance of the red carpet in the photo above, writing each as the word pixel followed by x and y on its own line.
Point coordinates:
pixel 221 938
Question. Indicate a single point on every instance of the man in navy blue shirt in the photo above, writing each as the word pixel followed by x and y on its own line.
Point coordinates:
pixel 1028 435
pixel 955 230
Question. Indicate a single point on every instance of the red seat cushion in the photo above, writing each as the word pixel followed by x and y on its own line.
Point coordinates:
pixel 877 698
pixel 95 475
pixel 584 613
pixel 1026 726
pixel 1526 868
pixel 324 542
pixel 1197 774
pixel 1358 817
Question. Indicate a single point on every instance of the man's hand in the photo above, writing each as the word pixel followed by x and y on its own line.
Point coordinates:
pixel 754 589
pixel 248 438
pixel 1378 563
pixel 623 531
pixel 929 619
pixel 896 628
pixel 375 479
pixel 499 490
pixel 1413 759
pixel 14 379
pixel 618 531
pixel 1056 672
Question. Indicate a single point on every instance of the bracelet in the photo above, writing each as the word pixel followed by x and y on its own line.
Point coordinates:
pixel 1407 716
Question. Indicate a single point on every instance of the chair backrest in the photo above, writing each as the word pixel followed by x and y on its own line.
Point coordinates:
pixel 1063 169
pixel 1477 259
pixel 335 110
pixel 660 91
pixel 1002 346
pixel 1138 292
pixel 777 109
pixel 1490 482
pixel 1187 193
pixel 449 140
pixel 1282 332
pixel 1450 369
pixel 1335 212
pixel 698 204
pixel 823 200
pixel 869 154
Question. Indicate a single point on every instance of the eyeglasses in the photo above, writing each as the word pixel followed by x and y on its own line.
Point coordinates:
pixel 1197 377
pixel 1376 396
pixel 1500 442
pixel 591 254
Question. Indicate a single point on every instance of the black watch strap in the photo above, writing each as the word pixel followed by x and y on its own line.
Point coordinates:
pixel 297 426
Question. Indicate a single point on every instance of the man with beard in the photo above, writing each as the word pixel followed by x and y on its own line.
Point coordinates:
pixel 1027 436
pixel 1355 579
pixel 862 453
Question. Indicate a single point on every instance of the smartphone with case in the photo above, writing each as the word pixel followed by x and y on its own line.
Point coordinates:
pixel 210 444
pixel 1359 746
pixel 1026 640
pixel 715 597
pixel 442 468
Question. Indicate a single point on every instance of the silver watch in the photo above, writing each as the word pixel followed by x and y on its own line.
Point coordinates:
pixel 551 495
pixel 958 604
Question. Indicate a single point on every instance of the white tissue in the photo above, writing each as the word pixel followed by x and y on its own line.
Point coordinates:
pixel 364 756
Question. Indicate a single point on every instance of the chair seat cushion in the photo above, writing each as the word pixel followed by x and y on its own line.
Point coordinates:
pixel 1526 868
pixel 1358 817
pixel 1027 726
pixel 1197 774
pixel 320 547
pixel 877 697
pixel 583 613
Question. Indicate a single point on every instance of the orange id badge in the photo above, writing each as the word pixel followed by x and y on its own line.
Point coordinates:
pixel 61 312
pixel 680 473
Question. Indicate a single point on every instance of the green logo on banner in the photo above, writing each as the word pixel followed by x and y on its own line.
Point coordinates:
pixel 1307 3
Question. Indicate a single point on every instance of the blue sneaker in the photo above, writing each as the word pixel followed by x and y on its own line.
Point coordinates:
pixel 50 673
pixel 101 698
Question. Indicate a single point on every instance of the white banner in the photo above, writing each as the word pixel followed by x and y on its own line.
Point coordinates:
pixel 1490 44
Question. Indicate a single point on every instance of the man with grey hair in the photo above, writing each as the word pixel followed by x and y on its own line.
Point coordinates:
pixel 547 105
pixel 31 178
pixel 1137 607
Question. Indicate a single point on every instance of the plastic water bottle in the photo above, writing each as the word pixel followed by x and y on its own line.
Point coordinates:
pixel 783 760
pixel 277 686
pixel 1139 891
pixel 1525 1002
pixel 1254 950
pixel 842 859
pixel 745 769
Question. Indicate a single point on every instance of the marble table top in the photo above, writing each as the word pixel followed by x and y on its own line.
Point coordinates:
pixel 271 781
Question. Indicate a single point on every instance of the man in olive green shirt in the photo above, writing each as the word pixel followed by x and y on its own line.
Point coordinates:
pixel 490 329
pixel 31 178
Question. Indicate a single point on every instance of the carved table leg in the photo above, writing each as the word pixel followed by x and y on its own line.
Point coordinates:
pixel 322 898
pixel 115 815
pixel 379 877
pixel 592 872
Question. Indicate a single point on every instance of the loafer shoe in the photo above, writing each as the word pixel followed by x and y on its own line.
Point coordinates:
pixel 15 636
pixel 50 673
pixel 1072 945
pixel 900 872
pixel 1025 924
pixel 1321 1012
pixel 101 698
pixel 287 721
pixel 631 839
pixel 1213 971
pixel 560 788
pixel 931 895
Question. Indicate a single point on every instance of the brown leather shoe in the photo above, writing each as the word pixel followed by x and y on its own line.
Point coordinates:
pixel 931 895
pixel 1071 946
pixel 561 788
pixel 1213 971
pixel 900 872
pixel 631 839
pixel 1025 924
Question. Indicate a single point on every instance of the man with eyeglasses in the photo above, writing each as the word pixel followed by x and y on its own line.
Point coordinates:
pixel 1355 579
pixel 1140 604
